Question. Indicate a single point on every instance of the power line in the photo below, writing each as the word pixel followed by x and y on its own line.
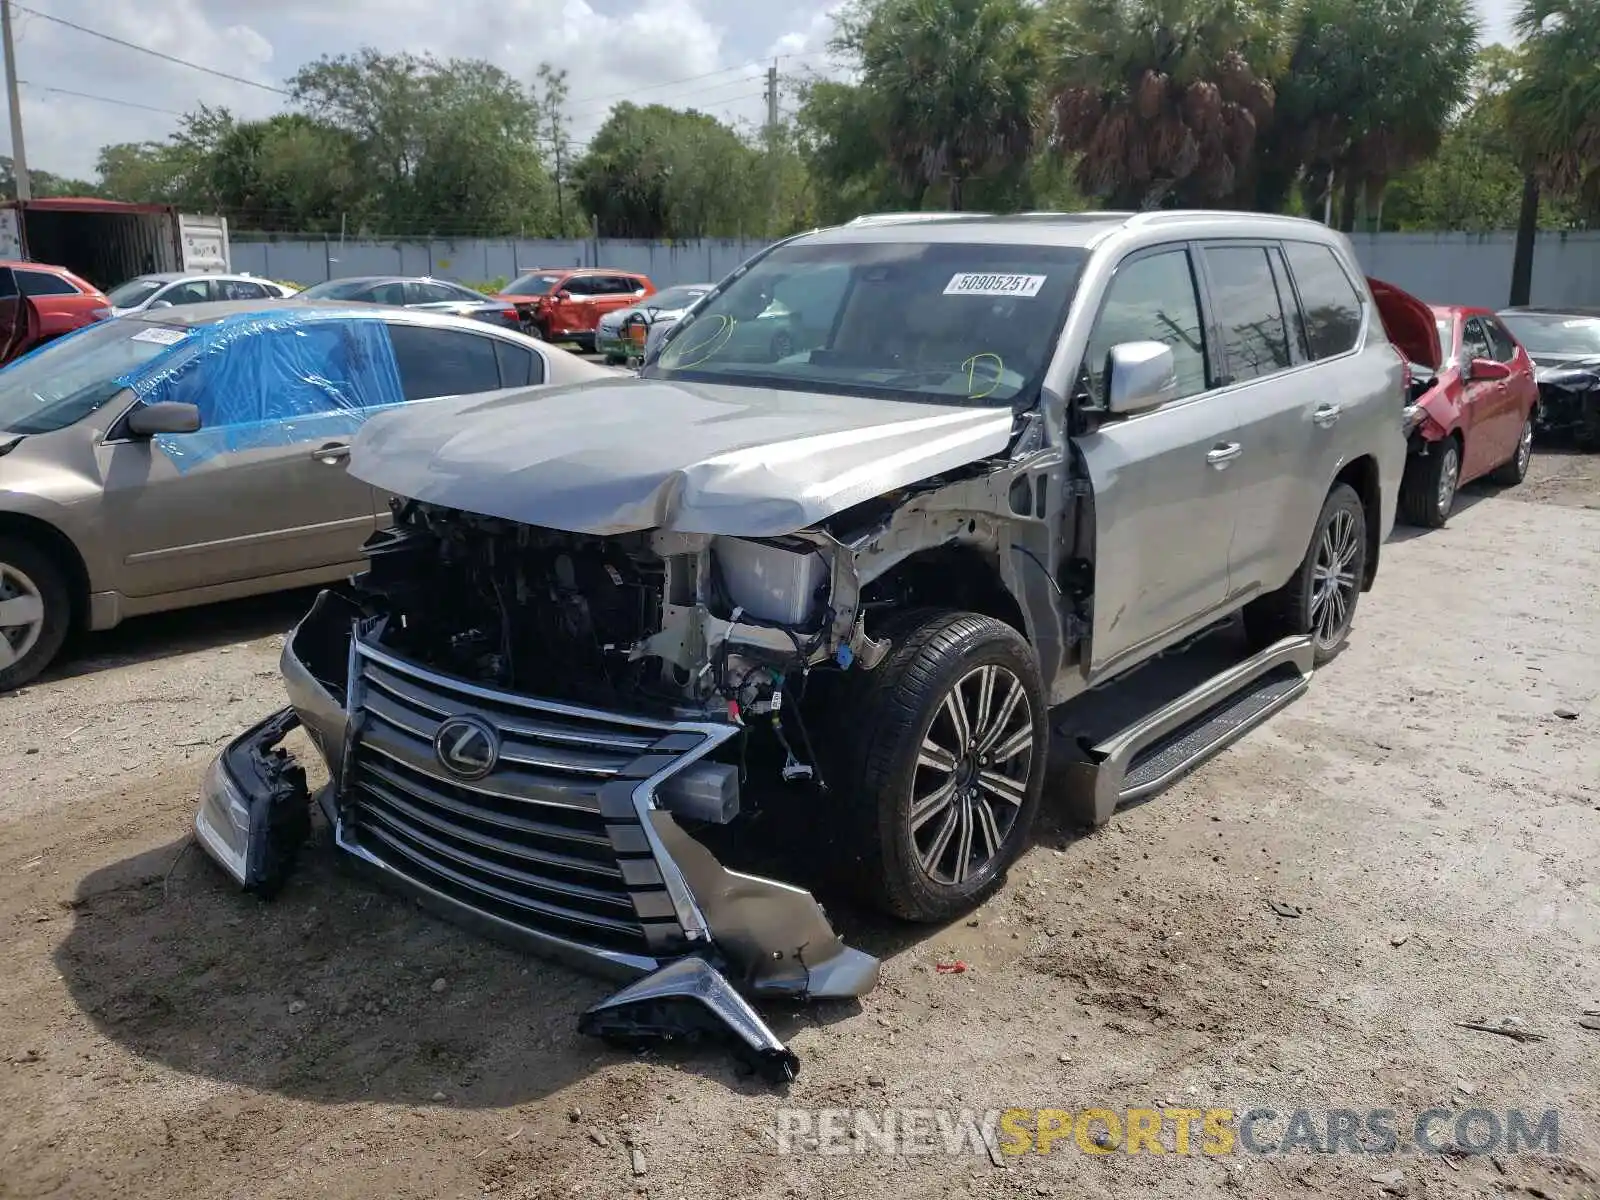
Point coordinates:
pixel 116 41
pixel 39 87
pixel 589 101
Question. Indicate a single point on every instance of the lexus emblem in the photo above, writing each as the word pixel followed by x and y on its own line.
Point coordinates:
pixel 467 747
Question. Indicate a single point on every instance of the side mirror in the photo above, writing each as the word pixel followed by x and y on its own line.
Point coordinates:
pixel 161 304
pixel 1483 370
pixel 1139 376
pixel 563 295
pixel 147 420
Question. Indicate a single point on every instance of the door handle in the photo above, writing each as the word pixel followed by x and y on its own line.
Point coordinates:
pixel 1223 453
pixel 1327 414
pixel 332 454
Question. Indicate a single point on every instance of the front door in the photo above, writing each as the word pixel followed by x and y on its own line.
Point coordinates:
pixel 1482 402
pixel 1164 490
pixel 261 489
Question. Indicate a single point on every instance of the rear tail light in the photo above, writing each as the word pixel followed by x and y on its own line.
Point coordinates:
pixel 510 314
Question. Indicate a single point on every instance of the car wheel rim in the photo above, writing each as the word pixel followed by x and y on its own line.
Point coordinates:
pixel 972 775
pixel 1333 578
pixel 21 615
pixel 1525 447
pixel 1449 470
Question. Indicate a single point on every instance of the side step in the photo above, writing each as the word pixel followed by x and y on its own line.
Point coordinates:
pixel 1159 748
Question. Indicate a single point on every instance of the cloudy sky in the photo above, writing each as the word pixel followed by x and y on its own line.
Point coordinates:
pixel 711 54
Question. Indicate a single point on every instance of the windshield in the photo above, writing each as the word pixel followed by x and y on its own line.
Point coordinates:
pixel 134 292
pixel 336 289
pixel 1567 337
pixel 939 321
pixel 673 298
pixel 65 381
pixel 1447 335
pixel 532 285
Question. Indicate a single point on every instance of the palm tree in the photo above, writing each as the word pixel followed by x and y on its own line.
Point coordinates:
pixel 1160 98
pixel 1553 110
pixel 1368 89
pixel 951 85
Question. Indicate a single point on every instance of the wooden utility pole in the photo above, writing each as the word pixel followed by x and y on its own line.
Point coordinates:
pixel 19 154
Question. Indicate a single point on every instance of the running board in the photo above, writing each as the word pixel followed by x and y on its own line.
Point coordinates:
pixel 1160 748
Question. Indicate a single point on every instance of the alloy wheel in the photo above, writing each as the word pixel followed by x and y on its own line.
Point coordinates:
pixel 1449 473
pixel 972 775
pixel 1333 578
pixel 1525 447
pixel 21 615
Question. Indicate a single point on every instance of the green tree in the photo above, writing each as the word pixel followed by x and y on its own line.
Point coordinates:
pixel 1553 109
pixel 42 183
pixel 843 155
pixel 950 87
pixel 1474 181
pixel 655 172
pixel 1160 100
pixel 446 146
pixel 141 172
pixel 1368 90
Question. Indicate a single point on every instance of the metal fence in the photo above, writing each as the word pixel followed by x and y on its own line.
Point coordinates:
pixel 1456 268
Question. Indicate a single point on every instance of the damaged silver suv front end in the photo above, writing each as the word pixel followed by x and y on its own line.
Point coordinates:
pixel 547 824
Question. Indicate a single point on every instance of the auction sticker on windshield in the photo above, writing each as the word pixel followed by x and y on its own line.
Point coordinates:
pixel 160 335
pixel 970 283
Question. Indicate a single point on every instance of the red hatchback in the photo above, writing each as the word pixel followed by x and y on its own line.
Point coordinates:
pixel 59 302
pixel 1471 408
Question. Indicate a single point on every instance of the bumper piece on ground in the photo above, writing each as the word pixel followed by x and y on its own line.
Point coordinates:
pixel 690 1000
pixel 255 809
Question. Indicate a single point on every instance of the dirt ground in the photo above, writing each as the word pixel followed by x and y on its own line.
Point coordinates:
pixel 1423 805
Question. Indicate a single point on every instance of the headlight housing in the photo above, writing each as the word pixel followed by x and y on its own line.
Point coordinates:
pixel 1410 417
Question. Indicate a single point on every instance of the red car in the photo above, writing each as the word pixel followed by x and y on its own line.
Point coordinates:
pixel 62 301
pixel 1472 403
pixel 564 304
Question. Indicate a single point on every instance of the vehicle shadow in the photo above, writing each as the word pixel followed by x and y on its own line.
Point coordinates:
pixel 166 635
pixel 328 993
pixel 1470 496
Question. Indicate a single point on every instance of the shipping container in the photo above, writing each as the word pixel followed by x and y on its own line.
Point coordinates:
pixel 108 242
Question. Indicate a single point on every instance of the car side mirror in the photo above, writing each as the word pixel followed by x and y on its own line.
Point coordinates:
pixel 1483 370
pixel 161 304
pixel 563 295
pixel 168 416
pixel 1139 376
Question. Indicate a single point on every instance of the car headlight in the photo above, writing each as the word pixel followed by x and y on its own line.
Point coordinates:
pixel 1411 417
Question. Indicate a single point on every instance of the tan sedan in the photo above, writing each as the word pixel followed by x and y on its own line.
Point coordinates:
pixel 187 455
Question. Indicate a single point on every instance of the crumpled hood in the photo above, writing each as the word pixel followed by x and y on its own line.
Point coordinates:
pixel 1555 368
pixel 626 454
pixel 1409 323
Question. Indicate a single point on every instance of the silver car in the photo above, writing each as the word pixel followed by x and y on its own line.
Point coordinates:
pixel 1009 460
pixel 660 309
pixel 170 288
pixel 184 455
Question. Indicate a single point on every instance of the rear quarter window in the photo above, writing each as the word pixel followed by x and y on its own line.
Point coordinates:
pixel 1330 305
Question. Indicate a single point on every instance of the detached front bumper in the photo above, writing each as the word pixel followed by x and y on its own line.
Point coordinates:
pixel 558 839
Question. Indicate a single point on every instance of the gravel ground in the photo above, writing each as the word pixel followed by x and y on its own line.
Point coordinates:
pixel 1423 806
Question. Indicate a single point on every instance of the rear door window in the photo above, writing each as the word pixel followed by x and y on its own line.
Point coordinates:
pixel 191 291
pixel 43 283
pixel 443 362
pixel 1255 337
pixel 241 289
pixel 1330 305
pixel 388 293
pixel 582 285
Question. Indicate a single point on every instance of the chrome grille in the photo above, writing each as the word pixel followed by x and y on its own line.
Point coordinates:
pixel 549 840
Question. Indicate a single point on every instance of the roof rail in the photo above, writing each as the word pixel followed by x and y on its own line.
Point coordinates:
pixel 908 218
pixel 1163 216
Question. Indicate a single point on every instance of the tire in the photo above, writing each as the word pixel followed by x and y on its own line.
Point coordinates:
pixel 1515 469
pixel 1293 610
pixel 536 333
pixel 896 729
pixel 28 573
pixel 1428 489
pixel 615 360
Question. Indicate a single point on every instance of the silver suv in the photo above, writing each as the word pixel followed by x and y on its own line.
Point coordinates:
pixel 1002 460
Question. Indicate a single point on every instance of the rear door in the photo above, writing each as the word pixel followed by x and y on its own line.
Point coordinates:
pixel 1521 392
pixel 621 291
pixel 1163 484
pixel 261 490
